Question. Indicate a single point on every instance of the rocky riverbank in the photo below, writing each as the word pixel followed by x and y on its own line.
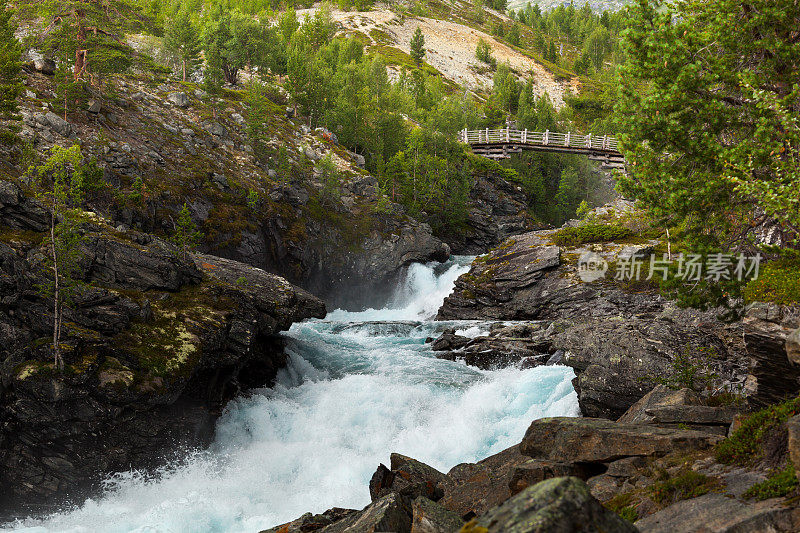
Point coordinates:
pixel 645 472
pixel 155 343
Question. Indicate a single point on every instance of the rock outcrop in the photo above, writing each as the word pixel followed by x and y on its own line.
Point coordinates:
pixel 557 505
pixel 155 343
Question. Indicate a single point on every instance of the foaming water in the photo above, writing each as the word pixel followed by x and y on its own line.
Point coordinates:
pixel 357 387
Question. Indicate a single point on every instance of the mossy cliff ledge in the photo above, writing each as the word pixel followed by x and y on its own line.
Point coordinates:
pixel 154 344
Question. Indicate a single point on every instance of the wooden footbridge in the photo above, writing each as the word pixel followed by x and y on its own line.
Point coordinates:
pixel 501 144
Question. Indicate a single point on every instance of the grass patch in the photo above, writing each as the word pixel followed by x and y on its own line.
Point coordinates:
pixel 689 484
pixel 591 232
pixel 744 446
pixel 779 282
pixel 779 483
pixel 622 504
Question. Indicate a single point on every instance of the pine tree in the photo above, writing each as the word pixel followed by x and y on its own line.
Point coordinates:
pixel 10 52
pixel 418 47
pixel 182 40
pixel 61 190
pixel 186 236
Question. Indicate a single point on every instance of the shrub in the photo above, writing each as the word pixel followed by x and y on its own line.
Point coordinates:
pixel 744 446
pixel 779 282
pixel 779 483
pixel 592 232
pixel 689 484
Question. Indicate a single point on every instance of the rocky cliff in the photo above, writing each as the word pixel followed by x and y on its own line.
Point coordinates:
pixel 255 185
pixel 154 344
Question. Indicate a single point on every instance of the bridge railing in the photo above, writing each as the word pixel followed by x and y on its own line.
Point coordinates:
pixel 542 138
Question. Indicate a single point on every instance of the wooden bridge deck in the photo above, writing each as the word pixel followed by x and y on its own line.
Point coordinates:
pixel 501 144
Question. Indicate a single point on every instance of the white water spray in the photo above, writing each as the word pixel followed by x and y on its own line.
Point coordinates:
pixel 358 386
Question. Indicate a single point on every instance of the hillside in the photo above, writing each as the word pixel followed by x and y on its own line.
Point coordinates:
pixel 450 47
pixel 597 5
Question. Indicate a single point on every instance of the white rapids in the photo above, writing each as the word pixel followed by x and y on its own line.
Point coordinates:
pixel 358 386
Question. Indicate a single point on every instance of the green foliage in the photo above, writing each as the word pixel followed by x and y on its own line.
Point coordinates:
pixel 689 370
pixel 686 485
pixel 331 178
pixel 185 236
pixel 743 447
pixel 592 232
pixel 622 504
pixel 88 35
pixel 182 40
pixel 779 483
pixel 61 188
pixel 707 145
pixel 583 209
pixel 484 53
pixel 418 47
pixel 778 282
pixel 10 66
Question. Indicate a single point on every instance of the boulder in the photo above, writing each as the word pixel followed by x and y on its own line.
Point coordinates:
pixel 793 346
pixel 390 513
pixel 527 277
pixel 617 361
pixel 535 471
pixel 158 342
pixel 660 396
pixel 717 513
pixel 558 505
pixel 471 489
pixel 312 522
pixel 430 517
pixel 595 440
pixel 178 99
pixel 44 65
pixel 408 477
pixel 58 124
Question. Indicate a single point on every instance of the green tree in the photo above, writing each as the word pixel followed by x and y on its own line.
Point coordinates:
pixel 704 99
pixel 10 65
pixel 61 189
pixel 186 237
pixel 483 53
pixel 418 47
pixel 182 40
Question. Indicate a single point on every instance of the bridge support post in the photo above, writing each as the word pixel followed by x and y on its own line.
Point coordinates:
pixel 566 142
pixel 525 136
pixel 546 137
pixel 589 141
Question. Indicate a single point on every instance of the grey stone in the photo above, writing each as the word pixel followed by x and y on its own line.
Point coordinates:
pixel 558 505
pixel 595 440
pixel 430 517
pixel 390 513
pixel 45 65
pixel 179 99
pixel 716 513
pixel 94 106
pixel 58 124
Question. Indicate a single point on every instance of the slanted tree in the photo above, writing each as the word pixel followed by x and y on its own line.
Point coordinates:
pixel 61 189
pixel 418 47
pixel 10 65
pixel 183 41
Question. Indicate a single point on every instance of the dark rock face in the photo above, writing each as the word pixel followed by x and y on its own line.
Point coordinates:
pixel 430 517
pixel 528 278
pixel 154 346
pixel 498 210
pixel 558 505
pixel 769 332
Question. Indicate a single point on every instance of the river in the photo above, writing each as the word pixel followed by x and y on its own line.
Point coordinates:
pixel 359 385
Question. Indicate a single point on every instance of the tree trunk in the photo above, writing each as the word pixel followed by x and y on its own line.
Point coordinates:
pixel 56 302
